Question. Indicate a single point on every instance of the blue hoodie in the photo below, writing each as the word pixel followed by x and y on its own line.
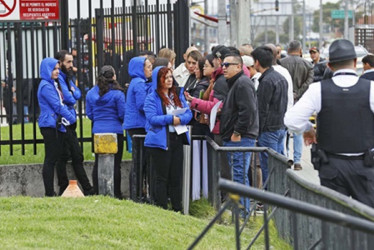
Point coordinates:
pixel 106 111
pixel 158 121
pixel 70 97
pixel 136 94
pixel 49 99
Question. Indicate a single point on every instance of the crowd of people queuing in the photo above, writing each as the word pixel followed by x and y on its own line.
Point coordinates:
pixel 255 88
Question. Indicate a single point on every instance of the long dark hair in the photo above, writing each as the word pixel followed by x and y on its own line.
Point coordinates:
pixel 161 77
pixel 105 80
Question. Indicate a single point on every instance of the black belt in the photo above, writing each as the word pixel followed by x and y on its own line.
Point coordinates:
pixel 346 157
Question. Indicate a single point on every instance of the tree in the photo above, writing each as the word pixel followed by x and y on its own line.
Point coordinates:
pixel 298 24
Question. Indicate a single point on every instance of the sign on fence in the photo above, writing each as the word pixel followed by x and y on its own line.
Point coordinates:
pixel 29 10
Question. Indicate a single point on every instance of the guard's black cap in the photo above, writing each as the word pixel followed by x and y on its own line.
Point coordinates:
pixel 341 50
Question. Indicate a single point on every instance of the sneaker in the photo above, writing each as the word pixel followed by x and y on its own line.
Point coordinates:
pixel 297 167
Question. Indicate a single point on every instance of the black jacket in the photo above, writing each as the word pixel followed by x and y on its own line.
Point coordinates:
pixel 220 88
pixel 239 111
pixel 319 69
pixel 369 76
pixel 272 100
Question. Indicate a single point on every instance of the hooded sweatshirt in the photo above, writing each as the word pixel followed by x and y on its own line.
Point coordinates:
pixel 136 94
pixel 106 111
pixel 50 98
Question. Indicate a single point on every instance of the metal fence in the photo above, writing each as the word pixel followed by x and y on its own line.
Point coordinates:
pixel 99 34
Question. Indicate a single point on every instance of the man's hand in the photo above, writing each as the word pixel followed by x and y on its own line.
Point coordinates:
pixel 176 121
pixel 310 137
pixel 235 138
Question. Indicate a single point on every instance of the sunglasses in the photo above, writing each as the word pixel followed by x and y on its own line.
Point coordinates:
pixel 227 64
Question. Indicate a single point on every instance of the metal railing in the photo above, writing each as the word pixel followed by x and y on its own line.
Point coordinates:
pixel 357 226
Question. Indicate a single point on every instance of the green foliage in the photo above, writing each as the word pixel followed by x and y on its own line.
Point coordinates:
pixel 100 222
pixel 29 157
pixel 260 39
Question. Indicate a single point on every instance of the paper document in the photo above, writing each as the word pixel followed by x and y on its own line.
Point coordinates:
pixel 180 129
pixel 213 115
pixel 179 111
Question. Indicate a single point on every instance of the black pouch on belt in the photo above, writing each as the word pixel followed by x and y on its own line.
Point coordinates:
pixel 369 157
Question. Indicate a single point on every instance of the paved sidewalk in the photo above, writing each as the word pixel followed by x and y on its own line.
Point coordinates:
pixel 308 173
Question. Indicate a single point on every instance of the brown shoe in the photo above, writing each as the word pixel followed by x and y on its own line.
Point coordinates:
pixel 297 167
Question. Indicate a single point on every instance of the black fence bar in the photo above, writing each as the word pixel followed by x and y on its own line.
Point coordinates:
pixel 298 206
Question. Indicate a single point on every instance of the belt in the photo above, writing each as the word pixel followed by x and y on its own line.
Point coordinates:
pixel 346 157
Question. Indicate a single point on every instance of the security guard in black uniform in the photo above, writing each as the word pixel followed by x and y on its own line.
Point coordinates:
pixel 343 150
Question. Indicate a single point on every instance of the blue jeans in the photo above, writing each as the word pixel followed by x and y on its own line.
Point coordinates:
pixel 273 140
pixel 239 164
pixel 297 147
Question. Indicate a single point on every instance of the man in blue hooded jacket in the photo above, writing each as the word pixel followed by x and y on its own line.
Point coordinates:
pixel 71 93
pixel 53 118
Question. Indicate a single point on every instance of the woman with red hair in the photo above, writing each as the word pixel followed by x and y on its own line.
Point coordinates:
pixel 164 143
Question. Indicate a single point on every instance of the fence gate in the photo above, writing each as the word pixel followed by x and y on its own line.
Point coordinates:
pixel 97 32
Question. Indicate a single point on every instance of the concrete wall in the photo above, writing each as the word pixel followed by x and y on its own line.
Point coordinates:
pixel 27 179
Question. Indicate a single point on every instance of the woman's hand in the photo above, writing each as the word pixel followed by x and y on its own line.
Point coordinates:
pixel 188 96
pixel 176 120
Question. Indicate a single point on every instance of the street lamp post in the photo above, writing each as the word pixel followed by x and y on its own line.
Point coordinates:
pixel 320 24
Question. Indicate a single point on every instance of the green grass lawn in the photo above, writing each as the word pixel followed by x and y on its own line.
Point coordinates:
pixel 100 222
pixel 29 157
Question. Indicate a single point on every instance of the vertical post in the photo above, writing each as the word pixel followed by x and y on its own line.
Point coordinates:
pixel 19 71
pixel 234 23
pixel 346 19
pixel 277 30
pixel 244 23
pixel 304 27
pixel 64 6
pixel 266 29
pixel 181 29
pixel 99 36
pixel 206 47
pixel 186 175
pixel 320 24
pixel 105 166
pixel 292 22
pixel 222 26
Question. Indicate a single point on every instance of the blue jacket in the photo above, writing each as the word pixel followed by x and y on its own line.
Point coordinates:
pixel 49 100
pixel 154 79
pixel 136 94
pixel 70 97
pixel 105 111
pixel 158 121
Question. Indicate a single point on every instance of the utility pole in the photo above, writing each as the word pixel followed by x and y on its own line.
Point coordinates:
pixel 234 22
pixel 244 22
pixel 346 19
pixel 292 22
pixel 206 47
pixel 320 24
pixel 277 31
pixel 222 23
pixel 304 26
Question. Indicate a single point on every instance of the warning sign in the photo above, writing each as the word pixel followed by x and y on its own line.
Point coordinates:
pixel 29 10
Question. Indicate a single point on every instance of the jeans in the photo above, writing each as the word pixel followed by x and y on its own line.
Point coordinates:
pixel 273 140
pixel 239 164
pixel 297 147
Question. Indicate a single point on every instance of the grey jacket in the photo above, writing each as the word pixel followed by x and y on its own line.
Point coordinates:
pixel 301 72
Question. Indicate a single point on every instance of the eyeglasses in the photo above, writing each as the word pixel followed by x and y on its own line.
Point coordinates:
pixel 227 64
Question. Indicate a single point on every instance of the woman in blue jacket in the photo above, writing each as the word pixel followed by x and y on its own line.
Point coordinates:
pixel 105 106
pixel 53 118
pixel 164 144
pixel 140 69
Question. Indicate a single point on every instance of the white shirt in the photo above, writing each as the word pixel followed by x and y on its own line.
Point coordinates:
pixel 297 118
pixel 255 79
pixel 181 74
pixel 284 72
pixel 368 71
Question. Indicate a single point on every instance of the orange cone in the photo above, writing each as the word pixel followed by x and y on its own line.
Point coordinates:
pixel 72 191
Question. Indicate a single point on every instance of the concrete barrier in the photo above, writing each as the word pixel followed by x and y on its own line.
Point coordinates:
pixel 27 179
